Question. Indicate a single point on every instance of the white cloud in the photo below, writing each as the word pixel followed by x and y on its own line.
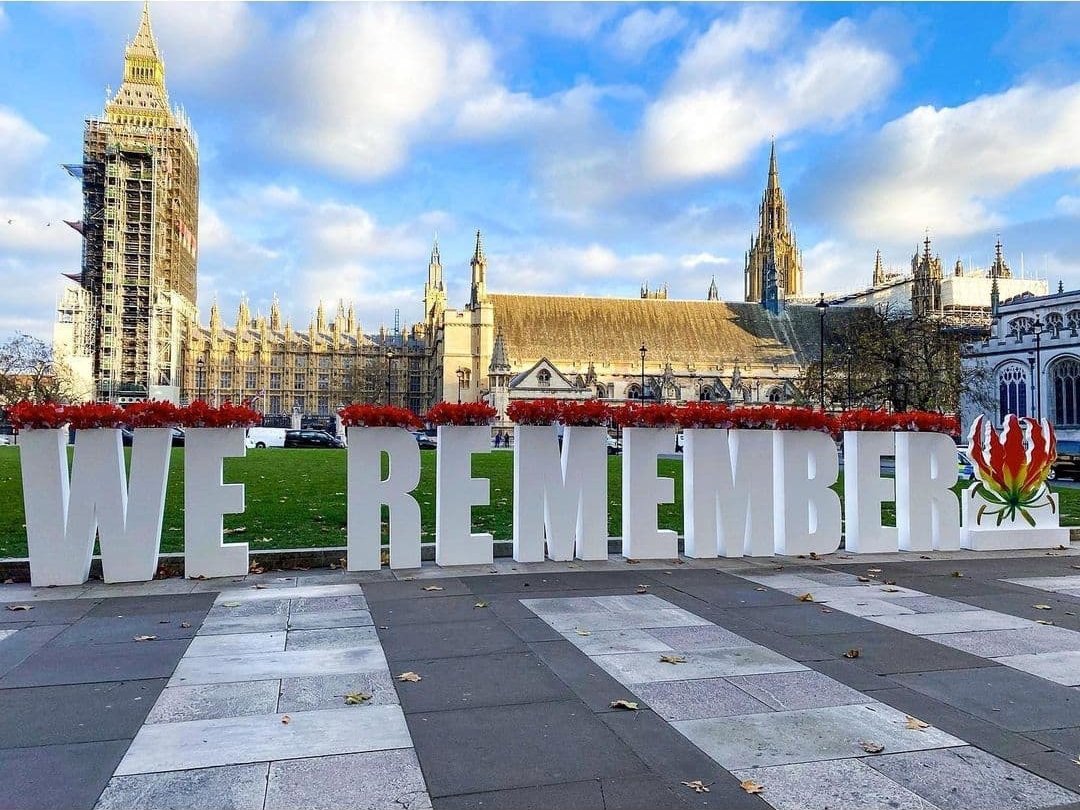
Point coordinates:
pixel 698 259
pixel 20 143
pixel 948 168
pixel 746 80
pixel 201 40
pixel 1069 205
pixel 644 29
pixel 3 19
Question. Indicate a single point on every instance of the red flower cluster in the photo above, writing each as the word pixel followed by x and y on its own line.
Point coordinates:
pixel 467 413
pixel 587 413
pixel 90 415
pixel 199 415
pixel 358 415
pixel 926 421
pixel 153 413
pixel 536 411
pixel 36 415
pixel 646 416
pixel 706 415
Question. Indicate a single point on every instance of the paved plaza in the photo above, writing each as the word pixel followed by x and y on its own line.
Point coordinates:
pixel 909 681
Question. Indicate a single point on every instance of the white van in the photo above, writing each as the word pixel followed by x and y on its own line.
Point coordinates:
pixel 266 437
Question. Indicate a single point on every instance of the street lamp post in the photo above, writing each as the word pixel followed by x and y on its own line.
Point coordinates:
pixel 822 306
pixel 1036 372
pixel 389 361
pixel 644 352
pixel 200 377
pixel 460 380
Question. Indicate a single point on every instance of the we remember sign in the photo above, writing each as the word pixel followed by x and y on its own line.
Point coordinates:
pixel 746 492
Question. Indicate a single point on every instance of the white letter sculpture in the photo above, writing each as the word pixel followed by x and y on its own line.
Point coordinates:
pixel 728 492
pixel 560 497
pixel 806 510
pixel 457 492
pixel 207 499
pixel 1009 505
pixel 642 491
pixel 927 511
pixel 865 490
pixel 63 518
pixel 368 492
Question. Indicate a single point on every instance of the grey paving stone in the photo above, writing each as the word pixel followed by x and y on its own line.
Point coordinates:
pixel 58 776
pixel 479 680
pixel 610 620
pixel 615 641
pixel 327 621
pixel 872 607
pixel 341 638
pixel 632 668
pixel 327 604
pixel 234 643
pixel 213 701
pixel 804 649
pixel 1059 583
pixel 564 606
pixel 1053 766
pixel 378 780
pixel 805 619
pixel 961 778
pixel 55 611
pixel 534 629
pixel 238 609
pixel 328 691
pixel 244 624
pixel 448 640
pixel 416 611
pixel 1004 696
pixel 641 793
pixel 5 633
pixel 560 746
pixel 235 787
pixel 365 657
pixel 632 603
pixel 117 629
pixel 706 637
pixel 798 690
pixel 260 738
pixel 824 595
pixel 134 605
pixel 1025 641
pixel 24 642
pixel 594 687
pixel 934 604
pixel 848 672
pixel 588 795
pixel 693 700
pixel 888 651
pixel 807 735
pixel 925 624
pixel 280 594
pixel 382 591
pixel 848 783
pixel 1059 667
pixel 55 715
pixel 95 663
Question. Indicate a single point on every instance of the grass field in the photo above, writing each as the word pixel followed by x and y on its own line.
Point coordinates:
pixel 296 499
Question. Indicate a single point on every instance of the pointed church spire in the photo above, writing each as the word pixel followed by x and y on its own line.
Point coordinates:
pixel 215 317
pixel 144 43
pixel 879 269
pixel 142 98
pixel 999 269
pixel 275 314
pixel 478 251
pixel 479 273
pixel 774 172
pixel 500 362
pixel 714 293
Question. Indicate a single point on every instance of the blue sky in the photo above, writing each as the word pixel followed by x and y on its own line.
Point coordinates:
pixel 596 145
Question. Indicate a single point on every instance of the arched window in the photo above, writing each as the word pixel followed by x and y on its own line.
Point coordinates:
pixel 633 391
pixel 1020 326
pixel 601 392
pixel 706 394
pixel 1012 391
pixel 776 394
pixel 1054 322
pixel 1072 318
pixel 1065 382
pixel 543 378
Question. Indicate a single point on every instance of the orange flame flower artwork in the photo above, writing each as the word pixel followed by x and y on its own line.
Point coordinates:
pixel 1012 466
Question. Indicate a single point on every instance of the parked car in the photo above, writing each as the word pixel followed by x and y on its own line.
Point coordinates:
pixel 312 438
pixel 679 439
pixel 267 436
pixel 965 471
pixel 127 435
pixel 426 441
pixel 614 446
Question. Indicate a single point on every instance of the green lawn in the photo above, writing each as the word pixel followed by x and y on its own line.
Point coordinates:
pixel 296 499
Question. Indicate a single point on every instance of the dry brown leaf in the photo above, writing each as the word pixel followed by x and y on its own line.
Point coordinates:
pixel 632 562
pixel 669 658
pixel 641 589
pixel 409 677
pixel 1042 607
pixel 20 607
pixel 852 653
pixel 481 604
pixel 698 786
pixel 185 625
pixel 872 747
pixel 956 574
pixel 356 698
pixel 230 604
pixel 285 720
pixel 873 570
pixel 750 786
pixel 259 586
pixel 629 705
pixel 434 588
pixel 584 633
pixel 915 724
pixel 806 597
pixel 864 579
pixel 1077 760
pixel 814 555
pixel 890 590
pixel 145 638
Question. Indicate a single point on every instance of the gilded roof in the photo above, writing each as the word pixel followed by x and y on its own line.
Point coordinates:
pixel 578 329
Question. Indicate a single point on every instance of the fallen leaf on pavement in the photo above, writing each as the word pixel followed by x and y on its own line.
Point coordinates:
pixel 285 720
pixel 1042 607
pixel 806 597
pixel 852 653
pixel 356 698
pixel 185 625
pixel 750 786
pixel 259 586
pixel 145 638
pixel 915 724
pixel 956 574
pixel 584 633
pixel 20 607
pixel 814 556
pixel 697 786
pixel 433 588
pixel 641 589
pixel 673 659
pixel 632 562
pixel 864 579
pixel 409 677
pixel 1042 621
pixel 873 570
pixel 761 588
pixel 891 590
pixel 872 747
pixel 230 604
pixel 629 705
pixel 481 604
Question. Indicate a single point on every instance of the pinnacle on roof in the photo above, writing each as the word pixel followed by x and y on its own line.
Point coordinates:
pixel 774 172
pixel 500 363
pixel 435 258
pixel 714 293
pixel 478 252
pixel 144 43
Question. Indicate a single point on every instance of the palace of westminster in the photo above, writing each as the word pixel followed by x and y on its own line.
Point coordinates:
pixel 128 327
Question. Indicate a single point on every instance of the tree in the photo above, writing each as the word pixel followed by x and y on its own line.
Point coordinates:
pixel 885 357
pixel 28 370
